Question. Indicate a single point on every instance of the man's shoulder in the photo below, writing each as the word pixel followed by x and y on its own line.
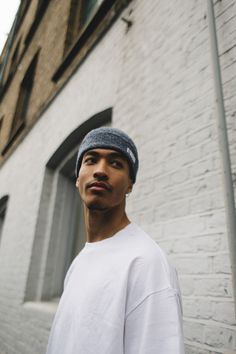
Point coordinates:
pixel 149 268
pixel 148 257
pixel 144 245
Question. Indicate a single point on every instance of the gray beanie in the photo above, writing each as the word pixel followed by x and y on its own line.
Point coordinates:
pixel 110 138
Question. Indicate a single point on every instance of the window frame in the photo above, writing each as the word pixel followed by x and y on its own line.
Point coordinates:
pixel 14 59
pixel 44 277
pixel 3 210
pixel 40 12
pixel 76 23
pixel 23 102
pixel 104 16
pixel 1 123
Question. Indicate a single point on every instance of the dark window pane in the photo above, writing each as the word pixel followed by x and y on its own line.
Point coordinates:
pixel 24 97
pixel 87 7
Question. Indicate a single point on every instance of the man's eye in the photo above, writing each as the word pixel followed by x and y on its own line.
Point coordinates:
pixel 116 164
pixel 89 160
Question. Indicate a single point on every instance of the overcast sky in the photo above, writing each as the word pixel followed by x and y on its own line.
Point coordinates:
pixel 8 11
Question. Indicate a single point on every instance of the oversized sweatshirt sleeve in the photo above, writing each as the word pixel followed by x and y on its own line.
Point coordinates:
pixel 154 326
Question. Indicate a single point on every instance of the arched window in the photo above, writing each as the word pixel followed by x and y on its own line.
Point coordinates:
pixel 60 232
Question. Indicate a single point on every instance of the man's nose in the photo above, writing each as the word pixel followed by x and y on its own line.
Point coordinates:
pixel 100 171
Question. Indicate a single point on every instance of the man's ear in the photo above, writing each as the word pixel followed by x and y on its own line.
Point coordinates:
pixel 130 187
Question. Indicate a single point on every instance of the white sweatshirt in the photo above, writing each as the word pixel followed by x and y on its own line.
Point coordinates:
pixel 121 296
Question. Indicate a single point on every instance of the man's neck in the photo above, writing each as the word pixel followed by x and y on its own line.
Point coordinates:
pixel 104 224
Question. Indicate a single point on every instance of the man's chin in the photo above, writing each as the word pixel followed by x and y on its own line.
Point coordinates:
pixel 96 207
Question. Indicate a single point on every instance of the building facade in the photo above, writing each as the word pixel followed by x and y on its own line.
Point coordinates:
pixel 145 67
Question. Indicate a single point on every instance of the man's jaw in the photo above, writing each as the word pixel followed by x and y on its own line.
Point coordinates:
pixel 96 207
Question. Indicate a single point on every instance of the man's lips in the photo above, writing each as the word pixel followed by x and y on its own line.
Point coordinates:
pixel 99 186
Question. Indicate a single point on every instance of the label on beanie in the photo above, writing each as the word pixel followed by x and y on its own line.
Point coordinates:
pixel 131 154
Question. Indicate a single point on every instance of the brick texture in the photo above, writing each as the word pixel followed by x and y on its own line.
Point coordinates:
pixel 158 78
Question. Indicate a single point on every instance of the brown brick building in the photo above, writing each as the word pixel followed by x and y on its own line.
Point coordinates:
pixel 47 43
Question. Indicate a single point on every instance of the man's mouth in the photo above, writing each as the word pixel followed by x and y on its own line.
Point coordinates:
pixel 99 186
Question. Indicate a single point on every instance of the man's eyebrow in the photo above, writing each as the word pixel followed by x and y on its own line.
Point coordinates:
pixel 114 154
pixel 91 152
pixel 117 155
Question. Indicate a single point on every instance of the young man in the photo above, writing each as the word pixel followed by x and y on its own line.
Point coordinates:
pixel 120 296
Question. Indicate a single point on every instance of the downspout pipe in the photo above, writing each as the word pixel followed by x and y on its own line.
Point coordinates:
pixel 223 145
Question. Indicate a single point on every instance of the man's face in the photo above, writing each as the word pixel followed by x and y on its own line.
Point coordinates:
pixel 104 179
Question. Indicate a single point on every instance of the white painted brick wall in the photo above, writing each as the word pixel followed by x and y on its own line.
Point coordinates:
pixel 158 78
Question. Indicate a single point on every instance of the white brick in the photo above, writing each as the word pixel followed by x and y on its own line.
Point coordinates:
pixel 221 263
pixel 224 312
pixel 193 265
pixel 215 221
pixel 219 337
pixel 184 226
pixel 201 204
pixel 193 331
pixel 158 79
pixel 207 243
pixel 199 137
pixel 187 285
pixel 180 176
pixel 196 350
pixel 216 287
